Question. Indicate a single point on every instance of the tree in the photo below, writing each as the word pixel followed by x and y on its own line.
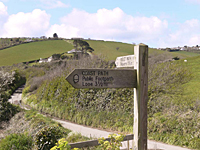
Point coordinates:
pixel 55 36
pixel 90 49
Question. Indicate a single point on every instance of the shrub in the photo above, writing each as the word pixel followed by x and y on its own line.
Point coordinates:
pixel 7 110
pixel 17 142
pixel 61 145
pixel 113 144
pixel 47 137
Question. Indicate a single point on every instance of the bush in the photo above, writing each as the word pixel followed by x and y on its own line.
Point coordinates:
pixel 113 144
pixel 17 142
pixel 7 110
pixel 8 83
pixel 61 145
pixel 47 137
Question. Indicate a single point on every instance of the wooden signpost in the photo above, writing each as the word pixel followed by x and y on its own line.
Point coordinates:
pixel 136 78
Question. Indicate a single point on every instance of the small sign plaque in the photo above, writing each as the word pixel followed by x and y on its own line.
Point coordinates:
pixel 125 61
pixel 102 78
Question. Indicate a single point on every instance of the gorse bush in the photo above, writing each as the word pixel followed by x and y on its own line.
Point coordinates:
pixel 113 144
pixel 61 145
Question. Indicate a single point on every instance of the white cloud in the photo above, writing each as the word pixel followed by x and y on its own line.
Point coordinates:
pixel 49 4
pixel 22 24
pixel 3 9
pixel 115 24
pixel 62 30
pixel 188 33
pixel 3 15
pixel 104 24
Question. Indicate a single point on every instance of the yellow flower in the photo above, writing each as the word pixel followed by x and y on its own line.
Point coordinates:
pixel 106 143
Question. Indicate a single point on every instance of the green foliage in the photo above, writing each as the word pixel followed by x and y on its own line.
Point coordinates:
pixel 61 145
pixel 56 56
pixel 17 142
pixel 9 81
pixel 73 137
pixel 8 110
pixel 47 137
pixel 113 144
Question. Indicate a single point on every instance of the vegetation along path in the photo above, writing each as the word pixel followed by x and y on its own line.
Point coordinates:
pixel 91 132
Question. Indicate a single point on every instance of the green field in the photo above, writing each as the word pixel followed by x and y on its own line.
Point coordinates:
pixel 32 51
pixel 44 49
pixel 108 49
pixel 191 54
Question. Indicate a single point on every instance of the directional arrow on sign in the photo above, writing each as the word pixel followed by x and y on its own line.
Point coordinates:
pixel 102 78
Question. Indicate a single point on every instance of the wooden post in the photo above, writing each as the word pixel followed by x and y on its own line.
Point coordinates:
pixel 140 97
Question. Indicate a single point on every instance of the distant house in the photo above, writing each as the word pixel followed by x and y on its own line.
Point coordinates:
pixel 74 51
pixel 50 59
pixel 46 60
pixel 28 40
pixel 77 38
pixel 183 48
pixel 43 60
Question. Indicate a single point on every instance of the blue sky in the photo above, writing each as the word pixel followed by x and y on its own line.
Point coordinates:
pixel 153 22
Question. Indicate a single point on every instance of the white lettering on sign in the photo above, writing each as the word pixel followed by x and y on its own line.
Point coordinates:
pixel 96 78
pixel 125 61
pixel 102 78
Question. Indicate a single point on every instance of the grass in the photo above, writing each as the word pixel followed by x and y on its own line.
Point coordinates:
pixel 108 49
pixel 192 88
pixel 190 54
pixel 44 49
pixel 32 51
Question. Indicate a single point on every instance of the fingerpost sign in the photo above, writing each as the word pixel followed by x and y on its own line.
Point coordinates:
pixel 136 78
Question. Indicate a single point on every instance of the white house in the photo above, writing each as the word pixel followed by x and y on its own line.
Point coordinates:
pixel 50 59
pixel 74 51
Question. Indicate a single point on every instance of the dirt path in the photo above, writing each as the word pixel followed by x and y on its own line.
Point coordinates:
pixel 95 133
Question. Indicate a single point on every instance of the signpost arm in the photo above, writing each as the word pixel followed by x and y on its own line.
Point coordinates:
pixel 140 97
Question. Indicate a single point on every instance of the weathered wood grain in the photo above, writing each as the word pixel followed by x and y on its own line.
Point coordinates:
pixel 102 78
pixel 140 97
pixel 95 142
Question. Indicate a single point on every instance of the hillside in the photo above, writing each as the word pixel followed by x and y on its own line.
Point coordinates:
pixel 32 51
pixel 110 51
pixel 43 49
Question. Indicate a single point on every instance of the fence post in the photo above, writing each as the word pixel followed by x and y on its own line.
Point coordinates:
pixel 140 97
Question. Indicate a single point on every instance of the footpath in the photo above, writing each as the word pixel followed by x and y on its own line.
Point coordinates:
pixel 95 133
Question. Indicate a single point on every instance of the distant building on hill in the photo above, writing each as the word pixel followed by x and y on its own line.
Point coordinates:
pixel 77 38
